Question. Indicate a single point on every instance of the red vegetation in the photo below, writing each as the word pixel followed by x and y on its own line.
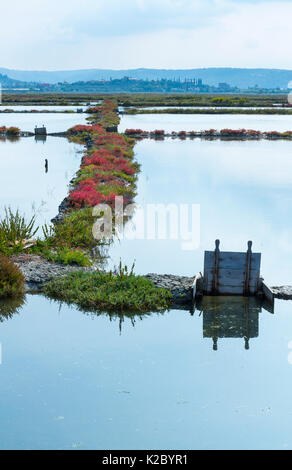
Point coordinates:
pixel 253 132
pixel 107 169
pixel 10 131
pixel 80 128
pixel 134 131
pixel 228 132
pixel 106 114
pixel 210 132
pixel 158 132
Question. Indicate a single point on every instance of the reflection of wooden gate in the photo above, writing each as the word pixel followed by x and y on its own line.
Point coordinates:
pixel 230 317
pixel 231 273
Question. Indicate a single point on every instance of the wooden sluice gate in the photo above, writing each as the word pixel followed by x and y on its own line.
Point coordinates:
pixel 40 131
pixel 232 273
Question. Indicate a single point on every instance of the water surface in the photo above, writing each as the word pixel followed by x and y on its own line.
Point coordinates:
pixel 42 108
pixel 76 381
pixel 24 183
pixel 219 378
pixel 244 192
pixel 52 121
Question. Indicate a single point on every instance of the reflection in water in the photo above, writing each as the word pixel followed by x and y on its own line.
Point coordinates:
pixel 231 317
pixel 10 306
pixel 11 138
pixel 40 138
pixel 181 393
pixel 112 316
pixel 122 317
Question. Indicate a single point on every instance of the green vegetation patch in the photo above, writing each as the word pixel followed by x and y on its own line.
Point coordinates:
pixel 117 292
pixel 67 243
pixel 75 230
pixel 223 110
pixel 67 257
pixel 14 231
pixel 11 279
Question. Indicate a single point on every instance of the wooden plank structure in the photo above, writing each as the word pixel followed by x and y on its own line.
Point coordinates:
pixel 231 273
pixel 40 130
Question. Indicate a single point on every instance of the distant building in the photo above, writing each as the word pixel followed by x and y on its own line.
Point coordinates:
pixel 198 82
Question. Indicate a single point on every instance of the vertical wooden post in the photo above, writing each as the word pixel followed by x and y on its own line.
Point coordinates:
pixel 247 268
pixel 216 268
pixel 246 326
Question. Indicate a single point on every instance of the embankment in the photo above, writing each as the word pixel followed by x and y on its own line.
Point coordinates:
pixel 211 134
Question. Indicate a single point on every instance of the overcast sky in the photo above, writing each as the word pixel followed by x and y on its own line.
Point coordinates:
pixel 120 34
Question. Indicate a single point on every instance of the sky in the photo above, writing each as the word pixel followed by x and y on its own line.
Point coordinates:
pixel 121 34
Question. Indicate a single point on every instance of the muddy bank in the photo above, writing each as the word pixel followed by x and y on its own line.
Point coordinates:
pixel 37 270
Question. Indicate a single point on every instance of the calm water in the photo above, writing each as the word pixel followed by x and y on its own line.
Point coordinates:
pixel 215 379
pixel 24 183
pixel 53 122
pixel 197 122
pixel 244 193
pixel 72 107
pixel 41 108
pixel 70 380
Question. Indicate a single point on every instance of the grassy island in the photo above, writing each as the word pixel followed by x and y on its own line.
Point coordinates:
pixel 121 291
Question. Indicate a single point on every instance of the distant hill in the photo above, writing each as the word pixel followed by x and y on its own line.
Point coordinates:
pixel 236 77
pixel 7 82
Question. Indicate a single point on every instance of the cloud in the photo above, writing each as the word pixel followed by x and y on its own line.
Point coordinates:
pixel 128 18
pixel 145 33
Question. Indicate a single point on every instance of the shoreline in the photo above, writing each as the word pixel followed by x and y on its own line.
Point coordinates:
pixel 212 134
pixel 37 271
pixel 209 110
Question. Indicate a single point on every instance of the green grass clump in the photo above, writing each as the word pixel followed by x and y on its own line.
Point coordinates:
pixel 75 231
pixel 13 131
pixel 11 279
pixel 119 292
pixel 68 256
pixel 14 229
pixel 64 243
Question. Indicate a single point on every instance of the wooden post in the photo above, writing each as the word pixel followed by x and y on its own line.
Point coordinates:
pixel 247 268
pixel 216 268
